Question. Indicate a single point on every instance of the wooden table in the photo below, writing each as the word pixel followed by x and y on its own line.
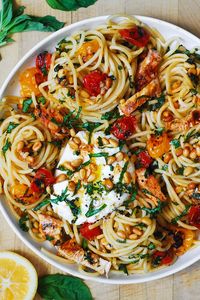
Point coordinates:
pixel 185 13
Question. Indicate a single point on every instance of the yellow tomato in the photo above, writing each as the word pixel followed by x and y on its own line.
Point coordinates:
pixel 157 145
pixel 23 193
pixel 188 238
pixel 28 83
pixel 88 49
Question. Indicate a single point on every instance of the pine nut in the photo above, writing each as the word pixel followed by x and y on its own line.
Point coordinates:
pixel 36 224
pixel 188 171
pixel 52 126
pixel 68 166
pixel 91 178
pixel 84 94
pixel 178 189
pixel 77 162
pixel 108 82
pixel 121 234
pixel 73 145
pixel 71 186
pixel 186 152
pixel 167 158
pixel 37 146
pixel 72 132
pixel 60 178
pixel 119 156
pixel 133 236
pixel 113 142
pixel 108 183
pixel 82 174
pixel 20 146
pixel 193 154
pixel 179 152
pixel 137 231
pixel 77 140
pixel 127 228
pixel 110 160
pixel 30 159
pixel 35 230
pixel 146 221
pixel 198 150
pixel 70 79
pixel 105 141
pixel 127 178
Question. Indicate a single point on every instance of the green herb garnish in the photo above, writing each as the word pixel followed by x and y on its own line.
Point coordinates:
pixel 176 143
pixel 69 5
pixel 101 154
pixel 6 147
pixel 123 268
pixel 111 115
pixel 123 171
pixel 91 212
pixel 11 126
pixel 22 223
pixel 184 212
pixel 26 105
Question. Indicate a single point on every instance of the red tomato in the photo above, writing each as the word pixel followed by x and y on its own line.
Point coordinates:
pixel 162 258
pixel 43 178
pixel 89 234
pixel 124 127
pixel 137 36
pixel 194 216
pixel 145 159
pixel 43 62
pixel 92 82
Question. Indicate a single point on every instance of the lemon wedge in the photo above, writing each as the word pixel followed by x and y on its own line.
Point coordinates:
pixel 18 277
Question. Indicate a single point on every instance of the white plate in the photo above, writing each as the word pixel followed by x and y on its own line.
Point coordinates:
pixel 11 87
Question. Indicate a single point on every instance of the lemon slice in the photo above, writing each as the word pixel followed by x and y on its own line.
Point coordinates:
pixel 18 277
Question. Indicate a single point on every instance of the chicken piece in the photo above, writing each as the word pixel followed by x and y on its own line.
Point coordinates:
pixel 50 227
pixel 147 69
pixel 179 125
pixel 150 185
pixel 71 250
pixel 153 89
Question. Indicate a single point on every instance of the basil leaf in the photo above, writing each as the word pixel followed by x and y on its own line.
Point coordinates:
pixel 69 5
pixel 91 212
pixel 184 212
pixel 63 287
pixel 22 223
pixel 11 126
pixel 6 147
pixel 101 154
pixel 196 196
pixel 176 143
pixel 26 105
pixel 110 115
pixel 123 171
pixel 123 268
pixel 41 204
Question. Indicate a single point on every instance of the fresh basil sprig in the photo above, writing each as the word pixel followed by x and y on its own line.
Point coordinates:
pixel 69 5
pixel 14 20
pixel 63 287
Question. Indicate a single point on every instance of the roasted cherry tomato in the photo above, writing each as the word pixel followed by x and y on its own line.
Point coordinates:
pixel 124 127
pixel 88 49
pixel 28 82
pixel 187 237
pixel 21 192
pixel 157 145
pixel 43 62
pixel 137 36
pixel 144 159
pixel 194 216
pixel 92 82
pixel 160 258
pixel 89 234
pixel 42 179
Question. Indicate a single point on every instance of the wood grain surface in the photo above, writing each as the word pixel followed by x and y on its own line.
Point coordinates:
pixel 185 13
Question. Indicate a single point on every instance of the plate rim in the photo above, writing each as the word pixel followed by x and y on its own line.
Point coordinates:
pixel 9 219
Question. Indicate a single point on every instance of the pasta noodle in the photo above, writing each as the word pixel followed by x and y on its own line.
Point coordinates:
pixel 91 82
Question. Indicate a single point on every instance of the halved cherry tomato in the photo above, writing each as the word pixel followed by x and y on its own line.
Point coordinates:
pixel 43 62
pixel 41 180
pixel 28 82
pixel 88 49
pixel 137 36
pixel 187 237
pixel 162 258
pixel 194 216
pixel 144 159
pixel 92 82
pixel 22 193
pixel 124 127
pixel 157 145
pixel 89 234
